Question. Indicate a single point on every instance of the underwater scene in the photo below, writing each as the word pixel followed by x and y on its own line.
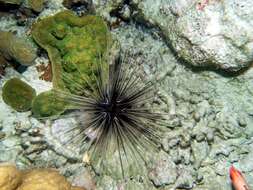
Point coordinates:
pixel 126 95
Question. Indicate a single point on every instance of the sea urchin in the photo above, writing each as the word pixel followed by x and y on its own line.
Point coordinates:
pixel 114 116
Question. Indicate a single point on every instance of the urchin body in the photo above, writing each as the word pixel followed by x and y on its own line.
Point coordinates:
pixel 115 117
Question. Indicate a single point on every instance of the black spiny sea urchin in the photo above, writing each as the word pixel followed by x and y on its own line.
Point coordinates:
pixel 114 116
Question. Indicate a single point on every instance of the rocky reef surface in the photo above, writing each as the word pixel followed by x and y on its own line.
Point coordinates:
pixel 199 55
pixel 204 33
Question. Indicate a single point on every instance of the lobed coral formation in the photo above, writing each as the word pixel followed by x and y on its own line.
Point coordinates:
pixel 46 104
pixel 18 94
pixel 73 45
pixel 47 179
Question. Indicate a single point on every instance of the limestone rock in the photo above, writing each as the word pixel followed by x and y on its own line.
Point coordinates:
pixel 216 34
pixel 159 174
pixel 84 179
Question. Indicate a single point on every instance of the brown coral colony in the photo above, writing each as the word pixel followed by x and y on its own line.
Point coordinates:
pixel 47 179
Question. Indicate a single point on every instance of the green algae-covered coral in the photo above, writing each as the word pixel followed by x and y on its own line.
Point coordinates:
pixel 16 48
pixel 74 45
pixel 18 94
pixel 46 104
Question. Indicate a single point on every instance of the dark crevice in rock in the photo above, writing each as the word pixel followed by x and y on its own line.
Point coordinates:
pixel 28 12
pixel 10 8
pixel 119 11
pixel 21 68
pixel 80 7
pixel 17 10
pixel 24 16
pixel 3 65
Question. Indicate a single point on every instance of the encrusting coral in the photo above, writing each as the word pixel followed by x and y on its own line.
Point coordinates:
pixel 10 177
pixel 19 49
pixel 47 179
pixel 46 104
pixel 36 5
pixel 72 44
pixel 18 94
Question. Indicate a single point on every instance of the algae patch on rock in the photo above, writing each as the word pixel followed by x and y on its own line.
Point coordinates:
pixel 19 49
pixel 18 94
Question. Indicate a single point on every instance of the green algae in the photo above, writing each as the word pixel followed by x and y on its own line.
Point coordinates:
pixel 18 94
pixel 75 46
